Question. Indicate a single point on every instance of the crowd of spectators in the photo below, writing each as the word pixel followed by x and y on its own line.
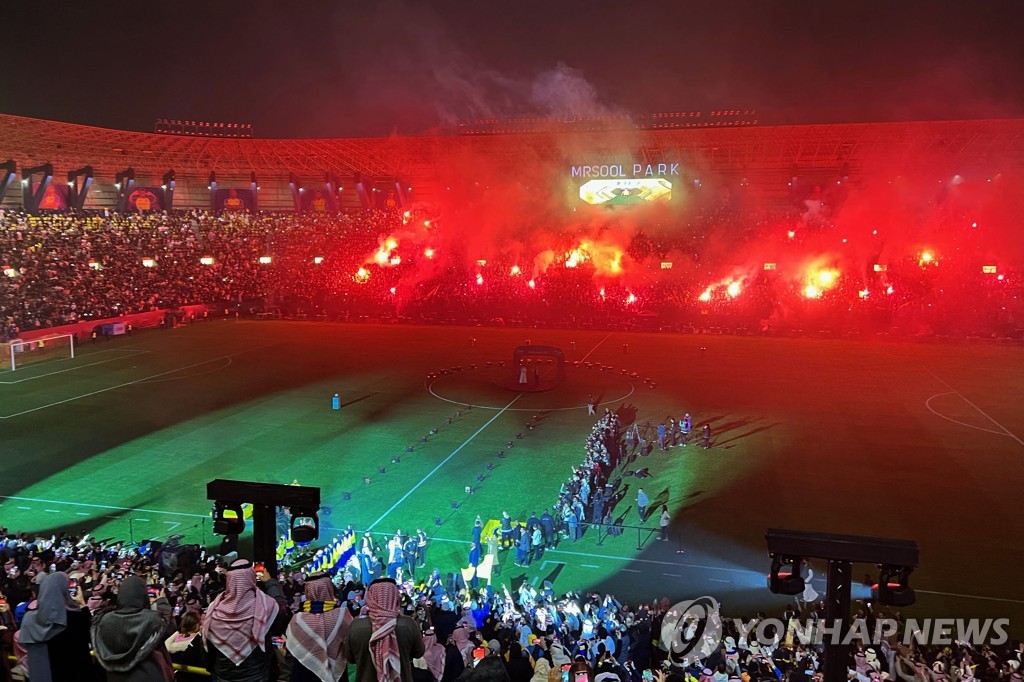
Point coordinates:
pixel 61 268
pixel 64 596
pixel 73 607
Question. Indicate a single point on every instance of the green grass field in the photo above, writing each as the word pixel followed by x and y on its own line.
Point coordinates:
pixel 875 438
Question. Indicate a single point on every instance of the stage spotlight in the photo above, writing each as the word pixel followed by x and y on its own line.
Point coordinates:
pixel 305 525
pixel 227 518
pixel 785 576
pixel 892 588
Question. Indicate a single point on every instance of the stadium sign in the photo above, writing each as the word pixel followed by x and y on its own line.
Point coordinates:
pixel 621 170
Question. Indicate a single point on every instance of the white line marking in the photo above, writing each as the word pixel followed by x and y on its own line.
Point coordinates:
pixel 1005 430
pixel 81 513
pixel 25 508
pixel 719 580
pixel 430 389
pixel 710 568
pixel 652 561
pixel 928 404
pixel 632 390
pixel 129 383
pixel 673 575
pixel 604 556
pixel 137 519
pixel 971 596
pixel 192 376
pixel 101 506
pixel 595 348
pixel 544 564
pixel 78 357
pixel 51 511
pixel 741 570
pixel 442 463
pixel 587 565
pixel 71 369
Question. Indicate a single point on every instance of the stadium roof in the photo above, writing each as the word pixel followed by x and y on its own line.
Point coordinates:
pixel 991 143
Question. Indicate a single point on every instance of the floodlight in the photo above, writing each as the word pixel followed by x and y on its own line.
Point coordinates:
pixel 785 576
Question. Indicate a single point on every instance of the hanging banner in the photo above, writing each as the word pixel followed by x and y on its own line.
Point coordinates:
pixel 318 201
pixel 143 199
pixel 55 198
pixel 233 199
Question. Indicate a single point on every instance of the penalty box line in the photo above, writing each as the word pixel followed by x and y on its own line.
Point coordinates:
pixel 443 462
pixel 131 354
pixel 108 507
pixel 130 383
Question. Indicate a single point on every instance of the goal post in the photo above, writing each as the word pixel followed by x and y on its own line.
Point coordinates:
pixel 22 353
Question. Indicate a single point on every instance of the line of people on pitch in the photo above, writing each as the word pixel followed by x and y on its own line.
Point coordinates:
pixel 398 559
pixel 667 435
pixel 585 497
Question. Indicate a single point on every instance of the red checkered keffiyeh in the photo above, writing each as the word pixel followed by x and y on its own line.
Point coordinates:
pixel 383 604
pixel 239 618
pixel 315 639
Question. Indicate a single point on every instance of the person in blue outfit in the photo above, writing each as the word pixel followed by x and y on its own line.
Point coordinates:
pixel 573 523
pixel 523 550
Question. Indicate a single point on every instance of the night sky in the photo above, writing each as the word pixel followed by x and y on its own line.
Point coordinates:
pixel 342 68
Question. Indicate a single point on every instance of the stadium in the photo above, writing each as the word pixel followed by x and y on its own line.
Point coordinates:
pixel 533 368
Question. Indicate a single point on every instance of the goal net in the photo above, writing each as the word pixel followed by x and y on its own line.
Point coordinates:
pixel 21 354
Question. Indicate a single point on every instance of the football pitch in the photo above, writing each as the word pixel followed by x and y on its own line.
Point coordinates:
pixel 890 439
